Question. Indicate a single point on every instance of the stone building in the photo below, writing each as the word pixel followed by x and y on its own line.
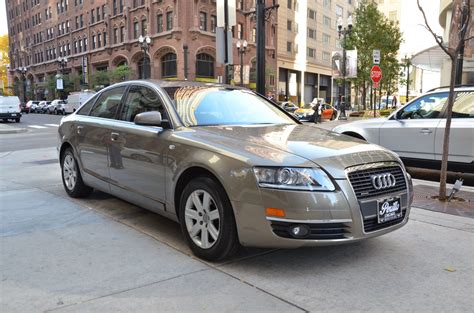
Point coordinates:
pixel 99 35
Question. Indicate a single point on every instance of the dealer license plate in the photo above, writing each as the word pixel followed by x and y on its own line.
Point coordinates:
pixel 389 209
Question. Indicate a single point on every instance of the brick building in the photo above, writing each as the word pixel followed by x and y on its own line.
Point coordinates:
pixel 99 35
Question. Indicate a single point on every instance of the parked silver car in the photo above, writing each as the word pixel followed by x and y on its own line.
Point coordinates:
pixel 416 131
pixel 231 167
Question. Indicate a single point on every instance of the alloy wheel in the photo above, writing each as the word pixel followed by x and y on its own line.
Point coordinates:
pixel 69 171
pixel 202 219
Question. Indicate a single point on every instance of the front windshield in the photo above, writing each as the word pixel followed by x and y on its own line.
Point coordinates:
pixel 211 106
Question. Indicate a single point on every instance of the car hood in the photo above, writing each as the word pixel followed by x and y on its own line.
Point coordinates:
pixel 332 151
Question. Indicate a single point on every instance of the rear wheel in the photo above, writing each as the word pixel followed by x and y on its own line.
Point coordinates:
pixel 207 219
pixel 71 176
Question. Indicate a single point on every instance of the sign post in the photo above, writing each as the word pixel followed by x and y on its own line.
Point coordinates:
pixel 376 76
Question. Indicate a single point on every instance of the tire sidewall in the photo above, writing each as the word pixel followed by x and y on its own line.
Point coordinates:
pixel 227 232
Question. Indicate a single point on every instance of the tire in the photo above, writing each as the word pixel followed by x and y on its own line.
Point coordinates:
pixel 210 231
pixel 333 116
pixel 71 176
pixel 56 112
pixel 17 120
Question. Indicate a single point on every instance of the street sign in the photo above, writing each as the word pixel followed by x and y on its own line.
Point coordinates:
pixel 376 73
pixel 376 56
pixel 220 46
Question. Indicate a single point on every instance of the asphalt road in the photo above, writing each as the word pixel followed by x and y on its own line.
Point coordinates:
pixel 40 130
pixel 102 254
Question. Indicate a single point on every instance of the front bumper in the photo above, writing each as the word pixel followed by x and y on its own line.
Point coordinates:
pixel 348 218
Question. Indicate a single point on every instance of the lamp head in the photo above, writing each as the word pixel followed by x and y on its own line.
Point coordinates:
pixel 141 39
pixel 339 23
pixel 349 22
pixel 238 44
pixel 245 44
pixel 148 39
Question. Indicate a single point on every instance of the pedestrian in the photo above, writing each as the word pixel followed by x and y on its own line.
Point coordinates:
pixel 394 101
pixel 317 113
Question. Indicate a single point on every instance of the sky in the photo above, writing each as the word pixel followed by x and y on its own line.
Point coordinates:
pixel 3 18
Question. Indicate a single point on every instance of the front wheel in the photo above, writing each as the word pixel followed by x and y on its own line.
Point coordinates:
pixel 207 220
pixel 71 176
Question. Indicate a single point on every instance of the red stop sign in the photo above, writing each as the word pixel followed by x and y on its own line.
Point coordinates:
pixel 376 73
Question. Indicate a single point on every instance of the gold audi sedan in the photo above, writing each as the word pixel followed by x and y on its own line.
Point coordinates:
pixel 231 167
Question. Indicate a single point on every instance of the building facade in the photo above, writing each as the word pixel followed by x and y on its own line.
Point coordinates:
pixel 307 36
pixel 99 35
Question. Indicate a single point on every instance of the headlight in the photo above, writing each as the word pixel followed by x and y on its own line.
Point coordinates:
pixel 293 178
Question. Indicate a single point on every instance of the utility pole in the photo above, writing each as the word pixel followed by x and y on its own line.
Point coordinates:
pixel 459 64
pixel 226 42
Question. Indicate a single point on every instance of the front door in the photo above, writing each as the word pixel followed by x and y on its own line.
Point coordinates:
pixel 138 151
pixel 412 133
pixel 93 134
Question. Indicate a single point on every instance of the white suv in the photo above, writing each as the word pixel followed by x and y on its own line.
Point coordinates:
pixel 416 131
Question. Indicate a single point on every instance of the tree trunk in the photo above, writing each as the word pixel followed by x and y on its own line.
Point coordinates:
pixel 447 131
pixel 364 95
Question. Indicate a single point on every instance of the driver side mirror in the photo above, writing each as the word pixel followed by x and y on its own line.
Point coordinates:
pixel 151 118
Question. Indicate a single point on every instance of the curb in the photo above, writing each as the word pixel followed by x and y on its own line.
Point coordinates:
pixel 12 130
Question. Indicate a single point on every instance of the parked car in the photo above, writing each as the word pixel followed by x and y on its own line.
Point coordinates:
pixel 23 108
pixel 307 113
pixel 231 167
pixel 32 105
pixel 289 106
pixel 42 106
pixel 416 130
pixel 10 108
pixel 56 107
pixel 76 99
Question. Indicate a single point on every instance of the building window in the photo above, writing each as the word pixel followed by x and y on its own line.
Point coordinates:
pixel 122 33
pixel 144 29
pixel 115 35
pixel 97 11
pixel 311 53
pixel 204 65
pixel 169 20
pixel 213 23
pixel 105 39
pixel 93 42
pixel 159 23
pixel 326 39
pixel 311 14
pixel 168 65
pixel 92 17
pixel 121 6
pixel 289 4
pixel 326 21
pixel 289 25
pixel 254 34
pixel 203 21
pixel 311 33
pixel 135 30
pixel 326 56
pixel 99 37
pixel 240 31
pixel 327 3
pixel 115 7
pixel 289 46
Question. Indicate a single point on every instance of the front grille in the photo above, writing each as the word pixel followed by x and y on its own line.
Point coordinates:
pixel 371 224
pixel 362 183
pixel 321 231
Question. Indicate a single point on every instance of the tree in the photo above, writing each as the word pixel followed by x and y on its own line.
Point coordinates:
pixel 101 78
pixel 121 73
pixel 4 61
pixel 456 44
pixel 372 30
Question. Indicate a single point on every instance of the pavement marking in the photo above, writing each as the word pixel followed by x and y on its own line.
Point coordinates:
pixel 52 125
pixel 37 126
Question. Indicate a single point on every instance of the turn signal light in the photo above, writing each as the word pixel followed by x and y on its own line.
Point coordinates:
pixel 275 212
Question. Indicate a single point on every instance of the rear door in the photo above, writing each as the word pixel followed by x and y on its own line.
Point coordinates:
pixel 137 152
pixel 93 134
pixel 461 138
pixel 412 133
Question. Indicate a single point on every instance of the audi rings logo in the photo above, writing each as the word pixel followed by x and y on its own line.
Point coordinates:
pixel 383 181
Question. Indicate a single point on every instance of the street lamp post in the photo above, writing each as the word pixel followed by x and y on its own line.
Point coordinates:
pixel 23 71
pixel 145 44
pixel 241 48
pixel 62 63
pixel 344 32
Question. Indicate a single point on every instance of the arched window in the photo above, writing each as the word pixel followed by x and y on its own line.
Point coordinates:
pixel 168 65
pixel 204 65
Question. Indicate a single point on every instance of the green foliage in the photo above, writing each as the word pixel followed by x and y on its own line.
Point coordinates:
pixel 121 73
pixel 101 78
pixel 372 30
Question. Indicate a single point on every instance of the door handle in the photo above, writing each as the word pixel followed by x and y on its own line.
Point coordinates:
pixel 114 136
pixel 426 131
pixel 79 129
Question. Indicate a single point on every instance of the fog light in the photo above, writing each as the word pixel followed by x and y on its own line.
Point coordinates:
pixel 299 231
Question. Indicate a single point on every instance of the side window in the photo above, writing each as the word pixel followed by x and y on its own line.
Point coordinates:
pixel 426 107
pixel 464 105
pixel 86 108
pixel 108 102
pixel 141 99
